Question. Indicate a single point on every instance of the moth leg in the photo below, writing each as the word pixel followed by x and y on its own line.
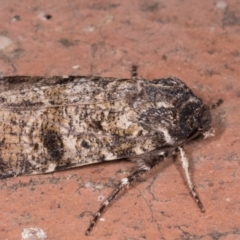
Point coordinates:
pixel 185 166
pixel 124 183
pixel 134 74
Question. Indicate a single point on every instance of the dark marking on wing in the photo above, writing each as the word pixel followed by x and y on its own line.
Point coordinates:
pixel 54 144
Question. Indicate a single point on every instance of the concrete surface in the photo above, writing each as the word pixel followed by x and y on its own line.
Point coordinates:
pixel 197 41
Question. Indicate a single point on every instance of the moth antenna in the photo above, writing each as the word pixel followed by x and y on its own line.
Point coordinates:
pixel 134 73
pixel 217 104
pixel 124 182
pixel 185 166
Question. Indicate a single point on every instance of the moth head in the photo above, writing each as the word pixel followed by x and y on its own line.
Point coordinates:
pixel 194 119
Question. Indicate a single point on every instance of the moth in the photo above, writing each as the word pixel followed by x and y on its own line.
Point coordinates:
pixel 55 123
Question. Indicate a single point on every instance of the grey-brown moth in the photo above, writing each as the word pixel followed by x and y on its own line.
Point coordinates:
pixel 54 123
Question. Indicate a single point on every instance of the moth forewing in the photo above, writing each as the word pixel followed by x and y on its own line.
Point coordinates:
pixel 59 123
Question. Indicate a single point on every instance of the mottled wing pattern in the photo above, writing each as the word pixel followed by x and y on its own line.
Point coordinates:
pixel 45 128
pixel 59 123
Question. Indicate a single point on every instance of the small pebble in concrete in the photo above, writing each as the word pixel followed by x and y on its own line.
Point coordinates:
pixel 5 42
pixel 33 234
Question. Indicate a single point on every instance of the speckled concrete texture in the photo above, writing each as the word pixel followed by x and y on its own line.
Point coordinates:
pixel 197 41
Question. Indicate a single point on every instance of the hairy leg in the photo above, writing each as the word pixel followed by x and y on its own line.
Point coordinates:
pixel 134 74
pixel 185 166
pixel 124 183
